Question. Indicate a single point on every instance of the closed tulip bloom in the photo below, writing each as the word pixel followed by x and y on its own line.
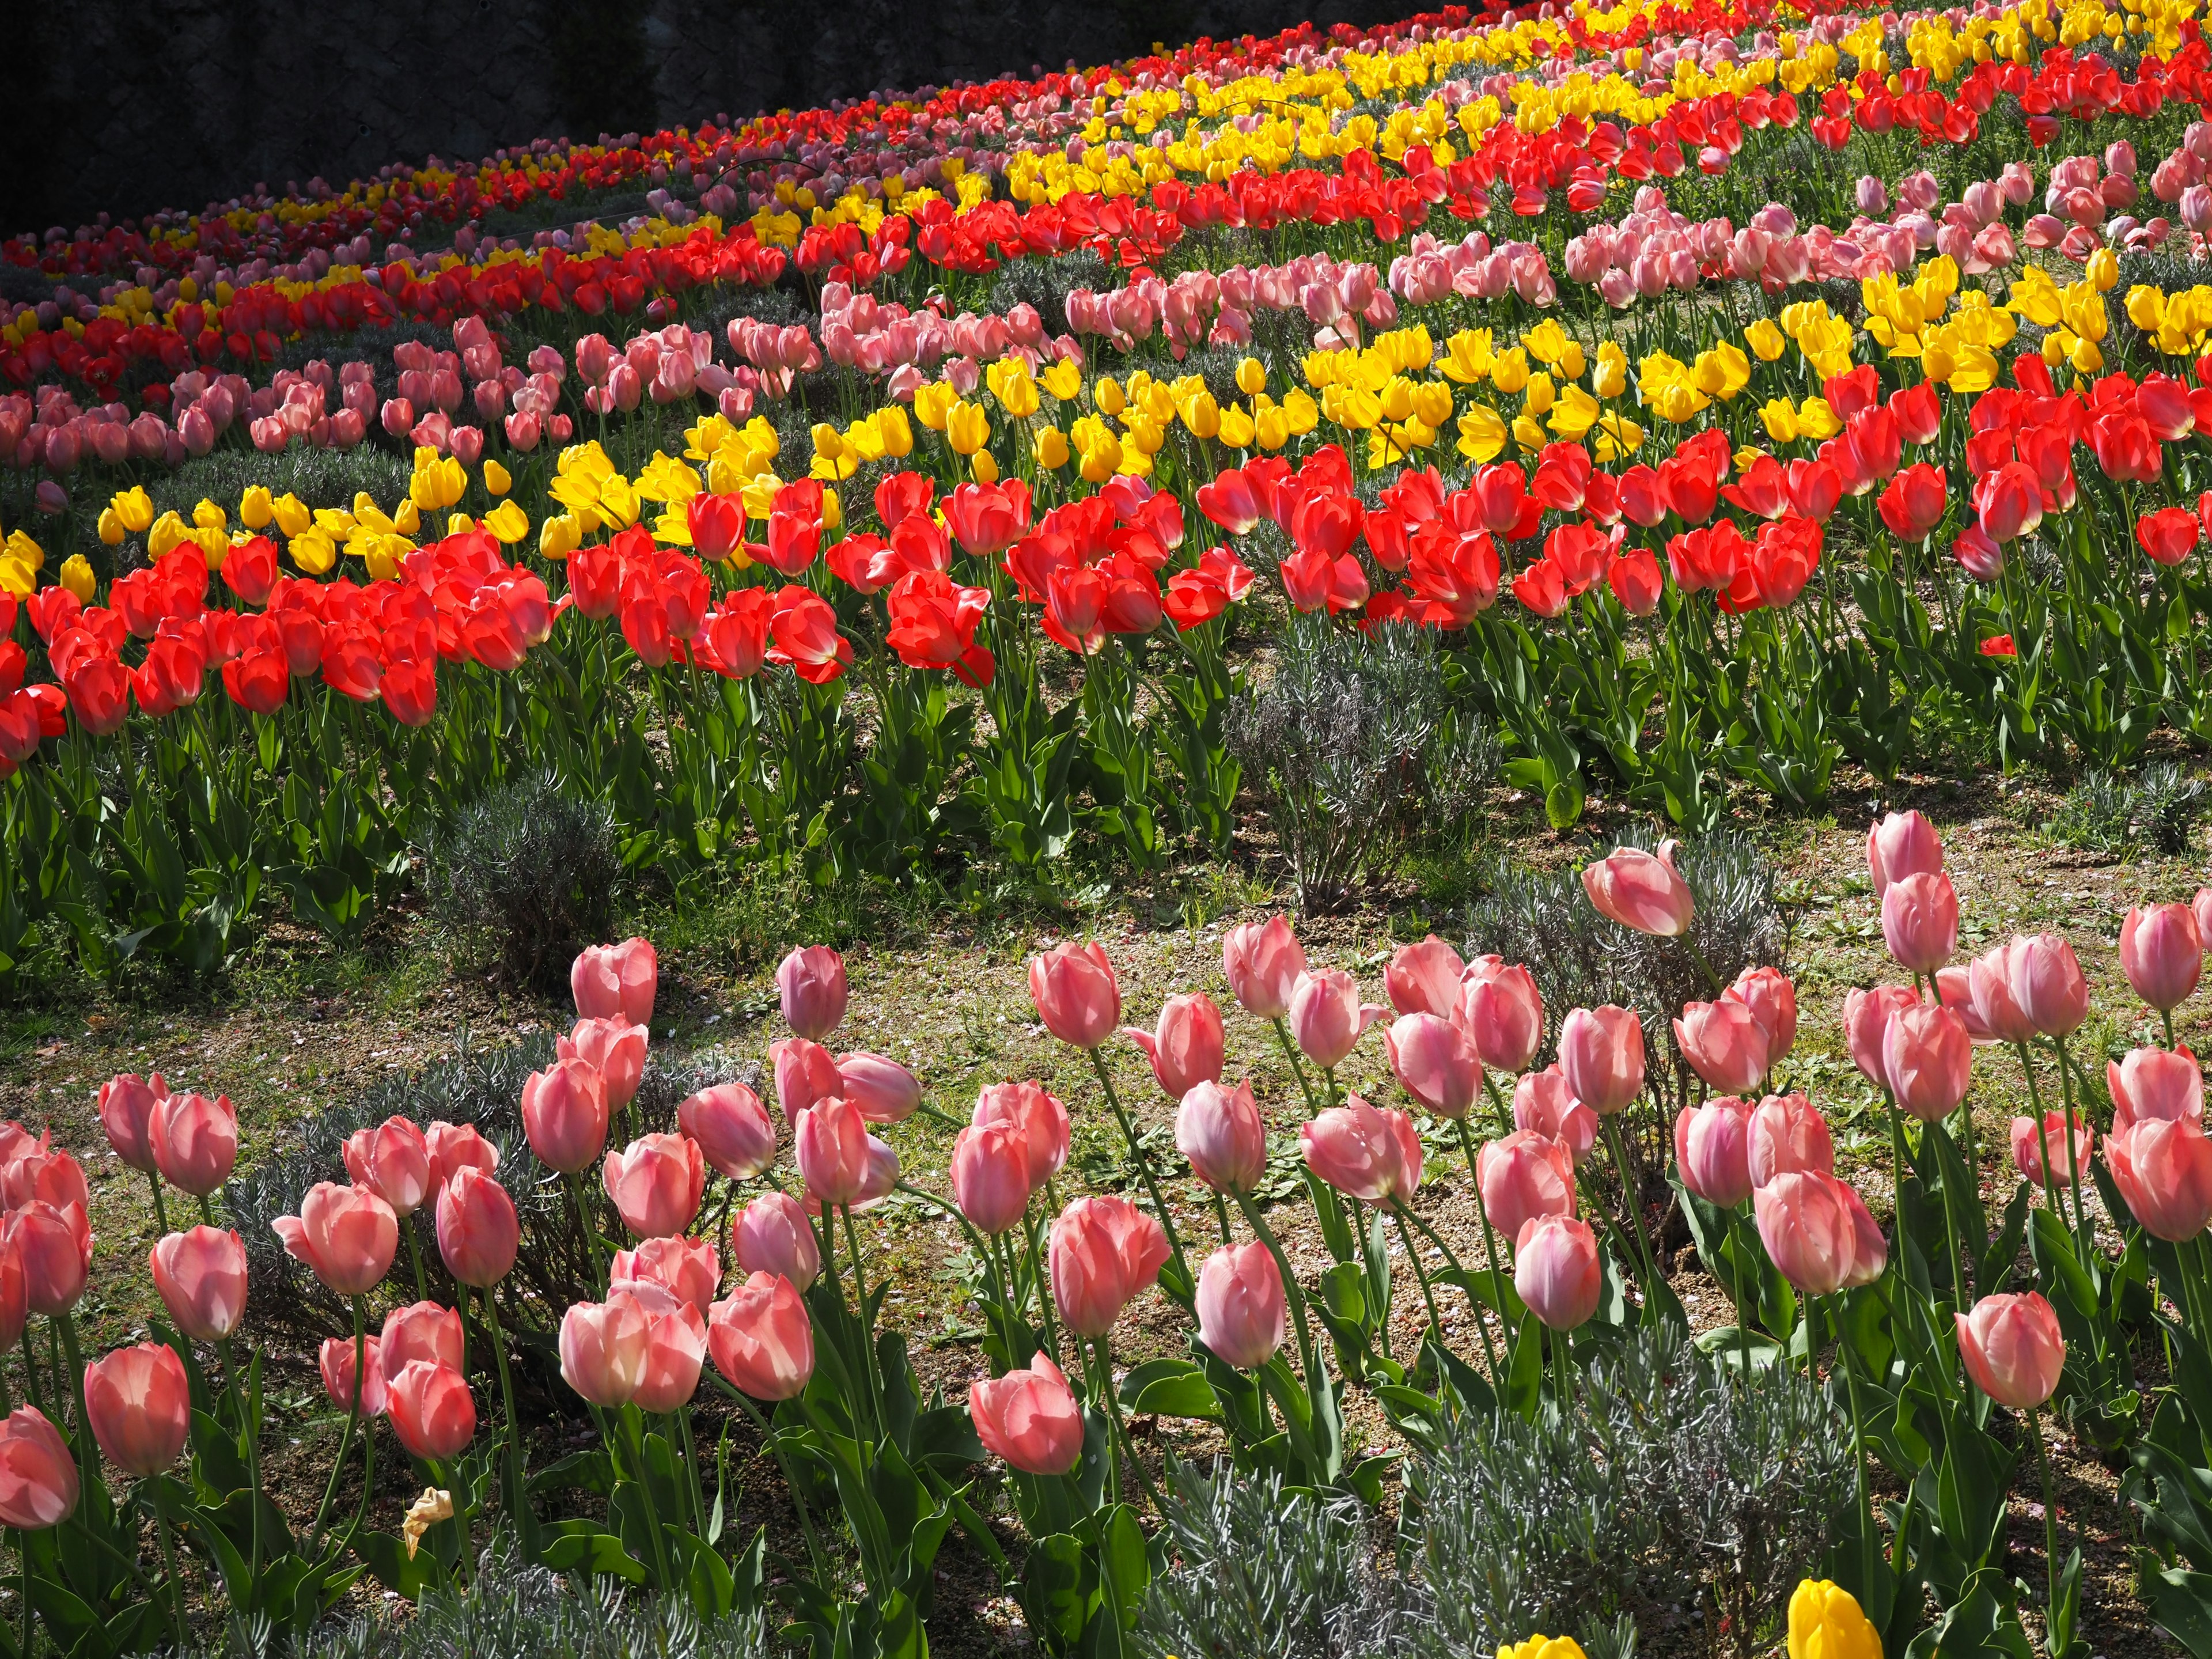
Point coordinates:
pixel 617 981
pixel 1954 989
pixel 1522 1175
pixel 1370 1155
pixel 1869 1249
pixel 2047 983
pixel 614 1050
pixel 140 1407
pixel 990 1177
pixel 656 1183
pixel 1501 1013
pixel 126 1112
pixel 564 1113
pixel 478 1232
pixel 1712 1149
pixel 455 1147
pixel 1435 1062
pixel 1929 1059
pixel 1602 1054
pixel 52 1175
pixel 393 1160
pixel 1220 1131
pixel 762 1340
pixel 1263 961
pixel 38 1476
pixel 1788 1135
pixel 421 1330
pixel 1903 844
pixel 1989 977
pixel 603 1348
pixel 811 982
pixel 884 1091
pixel 2162 953
pixel 1105 1251
pixel 1825 1622
pixel 2154 1083
pixel 431 1410
pixel 14 1292
pixel 2032 1143
pixel 1029 1418
pixel 195 1141
pixel 731 1128
pixel 1772 999
pixel 1076 994
pixel 688 1269
pixel 200 1276
pixel 2164 1172
pixel 1809 1230
pixel 1544 1105
pixel 2012 1349
pixel 1724 1044
pixel 1556 1270
pixel 831 1150
pixel 2201 908
pixel 1920 921
pixel 1327 1016
pixel 1040 1117
pixel 1642 890
pixel 335 1359
pixel 345 1236
pixel 1240 1307
pixel 1185 1048
pixel 772 1235
pixel 675 1349
pixel 1867 1015
pixel 1425 978
pixel 806 1073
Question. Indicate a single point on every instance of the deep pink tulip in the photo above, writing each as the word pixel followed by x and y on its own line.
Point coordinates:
pixel 1326 1017
pixel 126 1112
pixel 345 1236
pixel 393 1160
pixel 1929 1059
pixel 477 1230
pixel 2154 1083
pixel 812 984
pixel 1809 1230
pixel 1522 1175
pixel 1642 890
pixel 675 1348
pixel 38 1476
pixel 1076 994
pixel 656 1183
pixel 617 981
pixel 1501 1013
pixel 1602 1054
pixel 831 1150
pixel 732 1128
pixel 2162 953
pixel 335 1358
pixel 1712 1149
pixel 1867 1015
pixel 1434 1062
pixel 2164 1171
pixel 1263 961
pixel 762 1340
pixel 1104 1252
pixel 1724 1044
pixel 2046 981
pixel 1029 1418
pixel 603 1348
pixel 689 1269
pixel 1185 1050
pixel 1425 978
pixel 1371 1155
pixel 195 1141
pixel 1989 977
pixel 1039 1117
pixel 772 1235
pixel 455 1147
pixel 1920 921
pixel 564 1113
pixel 2032 1143
pixel 1241 1306
pixel 2012 1349
pixel 1556 1270
pixel 806 1072
pixel 1902 844
pixel 614 1050
pixel 431 1410
pixel 1772 999
pixel 990 1177
pixel 1543 1103
pixel 1221 1132
pixel 140 1407
pixel 1787 1135
pixel 201 1277
pixel 421 1330
pixel 884 1091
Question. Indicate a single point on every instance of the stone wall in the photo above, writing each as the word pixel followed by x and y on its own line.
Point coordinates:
pixel 134 105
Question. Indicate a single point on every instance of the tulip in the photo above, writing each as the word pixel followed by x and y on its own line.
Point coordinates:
pixel 345 1236
pixel 1809 1230
pixel 431 1409
pixel 1641 890
pixel 201 1277
pixel 656 1183
pixel 1787 1135
pixel 1543 1103
pixel 195 1141
pixel 1076 994
pixel 812 985
pixel 1435 1062
pixel 806 1073
pixel 1241 1306
pixel 2154 1083
pixel 1502 1012
pixel 1724 1044
pixel 1903 844
pixel 884 1091
pixel 990 1177
pixel 40 1173
pixel 690 1270
pixel 2012 1349
pixel 2164 1172
pixel 1522 1175
pixel 831 1150
pixel 139 1405
pixel 1867 1015
pixel 1185 1050
pixel 2162 953
pixel 1105 1251
pixel 1602 1056
pixel 126 1111
pixel 1826 1623
pixel 1772 999
pixel 603 1349
pixel 1988 977
pixel 675 1349
pixel 760 1338
pixel 1556 1270
pixel 38 1476
pixel 772 1235
pixel 1327 1016
pixel 1920 921
pixel 393 1160
pixel 1039 1117
pixel 614 1050
pixel 2046 983
pixel 337 1358
pixel 1425 978
pixel 421 1330
pixel 564 1113
pixel 1263 962
pixel 1220 1131
pixel 617 981
pixel 1029 1418
pixel 1373 1156
pixel 2041 1152
pixel 14 1293
pixel 1869 1249
pixel 1712 1149
pixel 478 1232
pixel 1929 1059
pixel 458 1146
pixel 731 1128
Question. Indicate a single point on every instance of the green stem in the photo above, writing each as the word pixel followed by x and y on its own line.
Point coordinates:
pixel 682 1416
pixel 1122 1428
pixel 511 1454
pixel 87 1453
pixel 592 1241
pixel 1143 1166
pixel 867 1324
pixel 2050 1536
pixel 176 1597
pixel 1489 1244
pixel 2085 1241
pixel 1858 1455
pixel 1633 1203
pixel 1413 1256
pixel 798 1498
pixel 652 1507
pixel 414 1253
pixel 1298 1066
pixel 1745 1270
pixel 161 1209
pixel 251 1405
pixel 31 1373
pixel 353 1418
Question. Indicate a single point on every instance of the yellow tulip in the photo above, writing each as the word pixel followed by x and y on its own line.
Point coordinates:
pixel 967 428
pixel 931 403
pixel 559 535
pixel 208 516
pixel 985 469
pixel 1609 378
pixel 1271 425
pixel 1510 372
pixel 1540 391
pixel 1051 449
pixel 507 522
pixel 496 478
pixel 292 514
pixel 408 520
pixel 75 575
pixel 110 526
pixel 1826 1623
pixel 1107 394
pixel 1482 434
pixel 1251 377
pixel 1543 1647
pixel 1202 415
pixel 459 524
pixel 1237 427
pixel 313 552
pixel 164 534
pixel 256 507
pixel 2103 270
pixel 1765 340
pixel 1063 379
pixel 136 509
pixel 16 577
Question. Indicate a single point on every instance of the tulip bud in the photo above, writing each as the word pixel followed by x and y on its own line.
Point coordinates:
pixel 2012 1349
pixel 811 981
pixel 1263 962
pixel 1241 1305
pixel 1556 1271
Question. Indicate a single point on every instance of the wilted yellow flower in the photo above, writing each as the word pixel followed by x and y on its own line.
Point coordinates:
pixel 432 1507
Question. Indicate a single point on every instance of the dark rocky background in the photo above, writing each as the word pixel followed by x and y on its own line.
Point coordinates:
pixel 129 106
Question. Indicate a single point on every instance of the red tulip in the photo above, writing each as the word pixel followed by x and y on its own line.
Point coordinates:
pixel 392 1160
pixel 126 1111
pixel 1788 1135
pixel 431 1410
pixel 1556 1270
pixel 1263 962
pixel 760 1338
pixel 201 1277
pixel 1522 1175
pixel 564 1113
pixel 2168 535
pixel 1241 1305
pixel 1929 1059
pixel 1326 1017
pixel 2162 953
pixel 38 1476
pixel 772 1235
pixel 1104 1252
pixel 140 1408
pixel 345 1236
pixel 1076 994
pixel 1903 844
pixel 2012 1349
pixel 614 1050
pixel 1501 1013
pixel 1425 978
pixel 1373 1156
pixel 2041 1151
pixel 990 1177
pixel 689 1270
pixel 1029 1418
pixel 656 1183
pixel 1220 1131
pixel 420 1330
pixel 1920 921
pixel 1544 1105
pixel 812 984
pixel 335 1358
pixel 195 1141
pixel 1712 1149
pixel 1185 1050
pixel 2008 502
pixel 1038 1117
pixel 1724 1044
pixel 478 1232
pixel 1641 890
pixel 732 1128
pixel 1913 506
pixel 1601 1056
pixel 884 1091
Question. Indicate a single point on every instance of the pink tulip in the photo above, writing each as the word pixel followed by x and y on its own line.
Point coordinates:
pixel 1772 999
pixel 14 1292
pixel 393 1160
pixel 52 1175
pixel 2164 1171
pixel 1185 1050
pixel 1544 1105
pixel 2201 908
pixel 1920 921
pixel 1220 1131
pixel 455 1147
pixel 772 1235
pixel 831 1150
pixel 762 1340
pixel 1641 890
pixel 2012 1349
pixel 1502 1012
pixel 1724 1044
pixel 1241 1306
pixel 884 1091
pixel 2154 1083
pixel 421 1330
pixel 1556 1270
pixel 603 1349
pixel 2162 953
pixel 806 1073
pixel 1808 1227
pixel 1712 1149
pixel 1104 1252
pixel 477 1230
pixel 2041 1152
pixel 1373 1156
pixel 1903 844
pixel 1870 1249
pixel 1029 1418
pixel 1990 978
pixel 1787 1135
pixel 689 1270
pixel 126 1111
pixel 1039 1118
pixel 1867 1015
pixel 431 1410
pixel 1522 1175
pixel 990 1177
pixel 1076 994
pixel 345 1236
pixel 811 981
pixel 1326 1017
pixel 675 1348
pixel 1929 1059
pixel 1435 1062
pixel 617 981
pixel 1954 989
pixel 139 1405
pixel 194 1141
pixel 656 1183
pixel 1263 962
pixel 614 1050
pixel 2046 983
pixel 201 1277
pixel 564 1113
pixel 335 1359
pixel 38 1476
pixel 1601 1056
pixel 731 1128
pixel 1425 978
